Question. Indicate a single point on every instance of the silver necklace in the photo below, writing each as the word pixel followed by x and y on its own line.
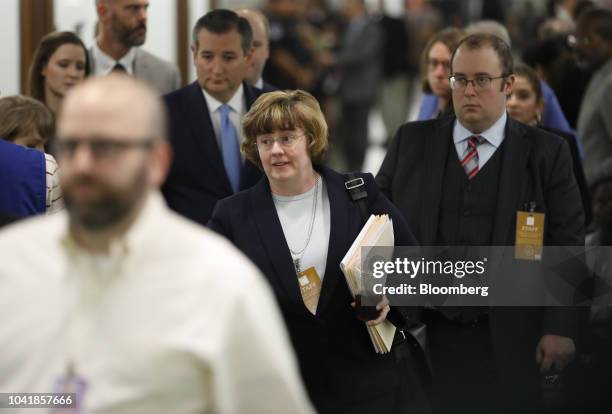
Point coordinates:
pixel 300 253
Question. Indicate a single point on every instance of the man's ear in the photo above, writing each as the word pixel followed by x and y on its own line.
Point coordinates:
pixel 160 163
pixel 102 9
pixel 194 53
pixel 249 56
pixel 508 84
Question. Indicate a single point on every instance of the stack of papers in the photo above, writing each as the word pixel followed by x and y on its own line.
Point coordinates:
pixel 377 232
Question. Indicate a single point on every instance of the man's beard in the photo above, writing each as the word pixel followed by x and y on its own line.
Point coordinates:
pixel 110 206
pixel 126 36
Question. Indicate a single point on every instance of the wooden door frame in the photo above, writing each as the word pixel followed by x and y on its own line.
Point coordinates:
pixel 36 20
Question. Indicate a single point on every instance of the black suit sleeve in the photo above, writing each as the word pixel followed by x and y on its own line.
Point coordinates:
pixel 386 174
pixel 565 223
pixel 220 222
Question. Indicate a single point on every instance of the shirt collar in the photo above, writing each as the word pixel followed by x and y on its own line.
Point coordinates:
pixel 259 84
pixel 133 238
pixel 105 63
pixel 494 135
pixel 236 103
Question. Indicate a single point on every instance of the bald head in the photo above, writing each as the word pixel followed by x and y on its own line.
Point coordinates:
pixel 115 105
pixel 260 28
pixel 111 151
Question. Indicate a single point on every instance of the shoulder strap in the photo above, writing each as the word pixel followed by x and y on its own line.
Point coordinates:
pixel 356 188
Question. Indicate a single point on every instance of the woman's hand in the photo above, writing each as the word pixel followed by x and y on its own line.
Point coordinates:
pixel 382 307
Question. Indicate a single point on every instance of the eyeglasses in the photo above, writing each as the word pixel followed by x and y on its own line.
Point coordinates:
pixel 100 149
pixel 480 82
pixel 433 63
pixel 286 142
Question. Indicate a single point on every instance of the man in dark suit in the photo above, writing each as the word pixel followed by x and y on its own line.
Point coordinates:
pixel 461 181
pixel 205 119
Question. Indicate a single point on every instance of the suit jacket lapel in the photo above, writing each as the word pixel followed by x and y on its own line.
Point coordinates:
pixel 203 132
pixel 436 151
pixel 140 65
pixel 514 161
pixel 339 208
pixel 274 242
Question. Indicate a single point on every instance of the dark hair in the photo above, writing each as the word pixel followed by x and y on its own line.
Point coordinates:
pixel 479 41
pixel 546 52
pixel 532 77
pixel 20 115
pixel 449 37
pixel 221 21
pixel 47 47
pixel 598 21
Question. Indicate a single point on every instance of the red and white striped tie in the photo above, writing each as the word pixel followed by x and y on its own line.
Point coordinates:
pixel 470 156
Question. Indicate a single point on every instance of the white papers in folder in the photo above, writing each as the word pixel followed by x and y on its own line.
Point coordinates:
pixel 377 232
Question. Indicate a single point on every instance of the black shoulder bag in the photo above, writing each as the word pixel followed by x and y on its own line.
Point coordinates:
pixel 410 342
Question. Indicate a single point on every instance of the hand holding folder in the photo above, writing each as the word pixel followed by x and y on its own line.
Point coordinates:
pixel 377 232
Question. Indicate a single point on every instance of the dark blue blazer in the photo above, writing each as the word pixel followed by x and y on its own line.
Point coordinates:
pixel 23 182
pixel 197 179
pixel 336 356
pixel 267 87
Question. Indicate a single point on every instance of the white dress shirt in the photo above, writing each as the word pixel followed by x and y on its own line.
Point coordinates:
pixel 494 137
pixel 173 320
pixel 104 64
pixel 237 105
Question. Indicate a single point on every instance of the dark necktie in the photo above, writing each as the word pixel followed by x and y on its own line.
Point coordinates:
pixel 119 68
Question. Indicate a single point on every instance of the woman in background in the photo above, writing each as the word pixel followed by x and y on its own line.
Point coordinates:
pixel 525 104
pixel 28 123
pixel 435 70
pixel 60 62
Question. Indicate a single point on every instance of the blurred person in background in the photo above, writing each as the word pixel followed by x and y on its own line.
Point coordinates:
pixel 525 104
pixel 554 61
pixel 395 92
pixel 435 69
pixel 358 63
pixel 261 48
pixel 33 184
pixel 594 48
pixel 595 379
pixel 122 28
pixel 59 63
pixel 291 64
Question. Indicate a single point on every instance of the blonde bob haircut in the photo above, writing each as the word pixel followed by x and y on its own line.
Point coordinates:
pixel 284 111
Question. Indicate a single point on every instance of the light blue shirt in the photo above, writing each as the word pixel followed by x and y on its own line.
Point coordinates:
pixel 494 137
